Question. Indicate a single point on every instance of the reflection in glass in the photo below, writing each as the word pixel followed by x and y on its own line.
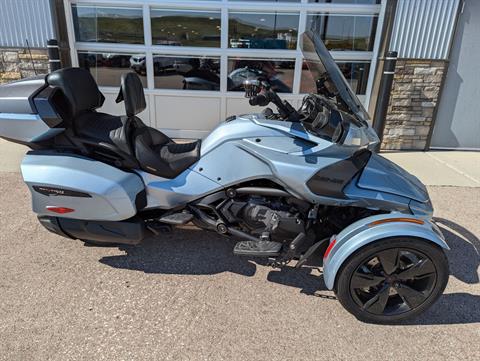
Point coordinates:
pixel 278 73
pixel 192 73
pixel 107 68
pixel 356 73
pixel 108 24
pixel 262 30
pixel 185 27
pixel 344 32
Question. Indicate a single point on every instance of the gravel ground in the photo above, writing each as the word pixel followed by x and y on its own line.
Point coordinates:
pixel 186 297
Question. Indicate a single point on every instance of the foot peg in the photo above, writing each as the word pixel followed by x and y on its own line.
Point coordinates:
pixel 159 228
pixel 177 218
pixel 257 248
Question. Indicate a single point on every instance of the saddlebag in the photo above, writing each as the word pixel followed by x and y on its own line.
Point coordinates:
pixel 75 187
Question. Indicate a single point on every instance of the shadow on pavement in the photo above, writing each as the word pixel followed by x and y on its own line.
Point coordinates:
pixel 464 260
pixel 197 252
pixel 301 278
pixel 464 254
pixel 191 252
pixel 450 309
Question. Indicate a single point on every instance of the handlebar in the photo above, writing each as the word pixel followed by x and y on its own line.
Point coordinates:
pixel 259 99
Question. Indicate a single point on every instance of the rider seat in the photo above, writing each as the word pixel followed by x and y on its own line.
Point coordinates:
pixel 122 140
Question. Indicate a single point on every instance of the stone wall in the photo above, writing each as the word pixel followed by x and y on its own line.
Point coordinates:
pixel 17 63
pixel 414 98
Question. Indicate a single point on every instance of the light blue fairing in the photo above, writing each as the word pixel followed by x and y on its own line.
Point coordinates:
pixel 248 148
pixel 360 233
pixel 252 147
pixel 385 185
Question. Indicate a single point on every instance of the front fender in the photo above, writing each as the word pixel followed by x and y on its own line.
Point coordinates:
pixel 363 232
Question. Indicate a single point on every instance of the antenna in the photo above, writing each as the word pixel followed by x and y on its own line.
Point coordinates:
pixel 31 57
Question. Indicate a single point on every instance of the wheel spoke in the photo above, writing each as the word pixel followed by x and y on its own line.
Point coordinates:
pixel 389 260
pixel 364 280
pixel 378 302
pixel 411 297
pixel 423 268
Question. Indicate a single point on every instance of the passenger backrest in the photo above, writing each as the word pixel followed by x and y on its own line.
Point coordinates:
pixel 131 92
pixel 79 87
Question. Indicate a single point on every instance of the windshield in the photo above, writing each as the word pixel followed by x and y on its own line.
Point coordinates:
pixel 328 78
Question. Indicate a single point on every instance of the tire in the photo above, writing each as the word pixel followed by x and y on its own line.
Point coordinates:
pixel 373 283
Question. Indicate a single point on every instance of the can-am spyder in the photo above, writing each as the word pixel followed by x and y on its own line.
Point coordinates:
pixel 288 185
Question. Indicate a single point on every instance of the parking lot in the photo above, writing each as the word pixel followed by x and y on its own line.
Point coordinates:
pixel 184 296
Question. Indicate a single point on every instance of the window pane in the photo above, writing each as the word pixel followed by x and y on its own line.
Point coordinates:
pixel 271 1
pixel 192 73
pixel 279 73
pixel 367 2
pixel 107 69
pixel 344 32
pixel 107 24
pixel 185 27
pixel 262 30
pixel 356 74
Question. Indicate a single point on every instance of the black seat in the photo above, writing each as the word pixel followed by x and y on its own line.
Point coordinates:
pixel 155 152
pixel 160 155
pixel 124 140
pixel 105 136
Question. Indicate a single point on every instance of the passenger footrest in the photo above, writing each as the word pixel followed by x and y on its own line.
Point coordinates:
pixel 257 248
pixel 177 218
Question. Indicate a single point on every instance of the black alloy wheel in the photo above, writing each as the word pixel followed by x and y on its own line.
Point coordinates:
pixel 392 279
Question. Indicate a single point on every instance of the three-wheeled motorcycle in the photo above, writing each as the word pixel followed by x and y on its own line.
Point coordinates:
pixel 288 185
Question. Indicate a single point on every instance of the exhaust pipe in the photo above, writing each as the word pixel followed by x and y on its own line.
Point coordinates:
pixel 130 231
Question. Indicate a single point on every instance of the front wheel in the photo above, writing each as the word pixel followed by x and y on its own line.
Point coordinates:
pixel 392 279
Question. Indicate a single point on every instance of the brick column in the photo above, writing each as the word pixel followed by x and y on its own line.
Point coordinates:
pixel 415 95
pixel 17 63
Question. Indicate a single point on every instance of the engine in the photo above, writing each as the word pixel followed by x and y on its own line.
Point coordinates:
pixel 275 219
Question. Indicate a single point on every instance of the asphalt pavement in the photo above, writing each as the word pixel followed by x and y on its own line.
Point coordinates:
pixel 184 296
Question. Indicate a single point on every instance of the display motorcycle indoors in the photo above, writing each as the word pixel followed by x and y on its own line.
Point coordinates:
pixel 289 185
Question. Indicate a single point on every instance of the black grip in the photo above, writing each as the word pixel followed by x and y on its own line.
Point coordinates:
pixel 259 99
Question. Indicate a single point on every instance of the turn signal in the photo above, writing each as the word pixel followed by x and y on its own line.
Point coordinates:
pixel 391 220
pixel 61 210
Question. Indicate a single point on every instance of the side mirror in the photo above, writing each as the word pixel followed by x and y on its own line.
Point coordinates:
pixel 252 87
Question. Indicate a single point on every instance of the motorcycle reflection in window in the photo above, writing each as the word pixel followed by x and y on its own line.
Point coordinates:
pixel 200 74
pixel 203 78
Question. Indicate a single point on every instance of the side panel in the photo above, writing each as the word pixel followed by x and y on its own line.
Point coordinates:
pixel 360 234
pixel 239 128
pixel 95 190
pixel 15 97
pixel 247 159
pixel 168 193
pixel 384 176
pixel 25 127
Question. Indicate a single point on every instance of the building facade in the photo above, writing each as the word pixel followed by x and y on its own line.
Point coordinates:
pixel 25 26
pixel 193 55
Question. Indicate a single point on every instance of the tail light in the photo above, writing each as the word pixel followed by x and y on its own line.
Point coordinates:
pixel 60 210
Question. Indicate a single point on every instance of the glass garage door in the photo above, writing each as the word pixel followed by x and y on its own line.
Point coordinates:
pixel 202 51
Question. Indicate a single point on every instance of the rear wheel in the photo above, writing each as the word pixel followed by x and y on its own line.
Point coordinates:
pixel 392 279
